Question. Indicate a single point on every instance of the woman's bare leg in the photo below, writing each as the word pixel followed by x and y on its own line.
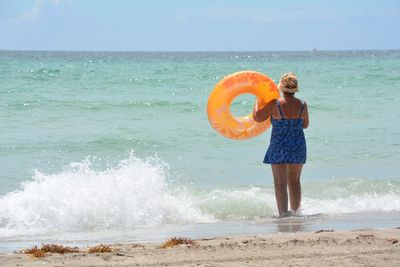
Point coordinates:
pixel 279 171
pixel 293 181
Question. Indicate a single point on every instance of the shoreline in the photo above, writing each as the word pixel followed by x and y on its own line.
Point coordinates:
pixel 343 248
pixel 262 226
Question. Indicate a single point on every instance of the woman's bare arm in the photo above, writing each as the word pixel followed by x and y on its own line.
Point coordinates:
pixel 262 111
pixel 306 120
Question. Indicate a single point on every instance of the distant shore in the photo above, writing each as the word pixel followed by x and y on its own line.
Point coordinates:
pixel 320 248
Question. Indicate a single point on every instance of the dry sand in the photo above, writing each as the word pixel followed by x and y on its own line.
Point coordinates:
pixel 352 248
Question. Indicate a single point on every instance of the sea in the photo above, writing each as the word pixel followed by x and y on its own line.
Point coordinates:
pixel 104 147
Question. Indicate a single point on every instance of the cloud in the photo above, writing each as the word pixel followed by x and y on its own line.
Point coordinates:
pixel 39 8
pixel 32 14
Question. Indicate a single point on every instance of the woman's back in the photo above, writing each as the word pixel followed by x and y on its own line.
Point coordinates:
pixel 291 108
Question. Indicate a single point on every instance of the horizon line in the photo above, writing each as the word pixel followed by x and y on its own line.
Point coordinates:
pixel 195 51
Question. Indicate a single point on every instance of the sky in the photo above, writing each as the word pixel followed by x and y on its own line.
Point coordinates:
pixel 199 25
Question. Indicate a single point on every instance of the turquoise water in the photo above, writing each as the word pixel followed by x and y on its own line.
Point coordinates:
pixel 94 141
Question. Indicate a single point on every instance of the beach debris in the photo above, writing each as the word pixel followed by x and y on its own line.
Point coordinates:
pixel 49 248
pixel 393 240
pixel 207 239
pixel 100 249
pixel 34 252
pixel 53 248
pixel 136 246
pixel 295 242
pixel 323 230
pixel 366 236
pixel 175 241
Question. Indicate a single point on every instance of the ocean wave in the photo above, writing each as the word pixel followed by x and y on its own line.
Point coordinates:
pixel 367 202
pixel 134 193
pixel 45 70
pixel 237 204
pixel 141 193
pixel 185 106
pixel 337 196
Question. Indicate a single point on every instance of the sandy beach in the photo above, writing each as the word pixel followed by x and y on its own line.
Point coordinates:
pixel 350 248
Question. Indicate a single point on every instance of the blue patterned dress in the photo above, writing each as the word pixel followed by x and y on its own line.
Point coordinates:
pixel 288 144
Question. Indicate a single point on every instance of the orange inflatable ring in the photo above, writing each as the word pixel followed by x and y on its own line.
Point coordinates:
pixel 220 100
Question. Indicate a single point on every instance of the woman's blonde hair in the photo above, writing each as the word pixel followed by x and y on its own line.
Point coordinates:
pixel 288 83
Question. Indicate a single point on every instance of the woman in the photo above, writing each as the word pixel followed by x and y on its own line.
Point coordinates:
pixel 287 150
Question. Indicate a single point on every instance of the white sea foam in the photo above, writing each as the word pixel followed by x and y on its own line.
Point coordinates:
pixel 367 202
pixel 258 202
pixel 137 193
pixel 134 193
pixel 239 204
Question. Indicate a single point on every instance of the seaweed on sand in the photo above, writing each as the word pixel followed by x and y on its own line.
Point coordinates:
pixel 49 248
pixel 100 249
pixel 175 241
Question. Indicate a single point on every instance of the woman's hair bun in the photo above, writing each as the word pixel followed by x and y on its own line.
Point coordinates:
pixel 289 80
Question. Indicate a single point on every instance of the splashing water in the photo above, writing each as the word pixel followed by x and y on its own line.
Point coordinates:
pixel 135 193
